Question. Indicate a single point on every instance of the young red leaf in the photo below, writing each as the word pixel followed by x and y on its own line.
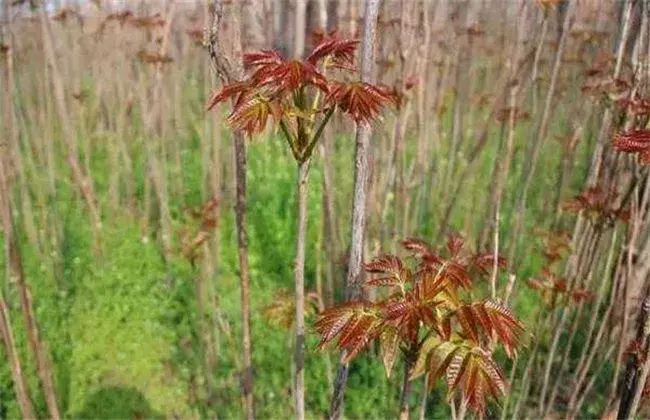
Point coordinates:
pixel 582 295
pixel 468 323
pixel 288 76
pixel 362 101
pixel 417 246
pixel 445 273
pixel 476 376
pixel 456 370
pixel 389 346
pixel 342 51
pixel 494 319
pixel 504 325
pixel 261 59
pixel 281 311
pixel 484 263
pixel 392 268
pixel 434 357
pixel 235 90
pixel 633 141
pixel 355 323
pixel 252 115
pixel 455 243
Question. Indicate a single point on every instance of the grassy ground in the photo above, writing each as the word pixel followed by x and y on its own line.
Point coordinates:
pixel 121 329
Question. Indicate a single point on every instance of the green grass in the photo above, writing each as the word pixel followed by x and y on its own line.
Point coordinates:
pixel 122 330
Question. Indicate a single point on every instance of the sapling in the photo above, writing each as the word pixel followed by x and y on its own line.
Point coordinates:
pixel 300 97
pixel 429 317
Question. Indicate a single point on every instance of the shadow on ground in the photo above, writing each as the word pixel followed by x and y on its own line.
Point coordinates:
pixel 117 403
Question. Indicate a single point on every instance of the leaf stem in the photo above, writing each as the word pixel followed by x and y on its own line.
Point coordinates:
pixel 310 147
pixel 290 139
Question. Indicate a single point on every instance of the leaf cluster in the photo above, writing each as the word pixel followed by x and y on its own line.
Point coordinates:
pixel 198 231
pixel 634 141
pixel 281 311
pixel 300 96
pixel 551 285
pixel 428 314
pixel 599 205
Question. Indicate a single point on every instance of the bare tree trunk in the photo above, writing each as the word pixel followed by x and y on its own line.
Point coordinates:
pixel 481 140
pixel 502 162
pixel 82 180
pixel 565 170
pixel 15 167
pixel 603 136
pixel 230 69
pixel 17 275
pixel 406 383
pixel 539 137
pixel 353 286
pixel 159 174
pixel 244 270
pixel 633 381
pixel 20 384
pixel 300 24
pixel 283 29
pixel 353 12
pixel 591 347
pixel 303 172
pixel 322 15
pixel 332 233
pixel 405 44
pixel 36 344
pixel 462 80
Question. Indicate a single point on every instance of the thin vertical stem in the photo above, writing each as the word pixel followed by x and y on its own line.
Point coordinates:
pixel 303 172
pixel 361 172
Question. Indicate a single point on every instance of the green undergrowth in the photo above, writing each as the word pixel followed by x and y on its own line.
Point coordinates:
pixel 122 329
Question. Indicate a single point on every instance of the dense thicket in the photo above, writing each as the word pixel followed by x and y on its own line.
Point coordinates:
pixel 150 246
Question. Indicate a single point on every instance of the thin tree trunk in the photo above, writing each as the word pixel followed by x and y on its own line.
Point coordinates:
pixel 592 381
pixel 539 137
pixel 329 231
pixel 421 165
pixel 20 384
pixel 461 95
pixel 82 180
pixel 230 69
pixel 565 170
pixel 362 145
pixel 482 138
pixel 425 395
pixel 406 384
pixel 155 132
pixel 329 213
pixel 625 290
pixel 502 162
pixel 637 371
pixel 303 172
pixel 538 54
pixel 300 23
pixel 17 275
pixel 603 136
pixel 244 270
pixel 404 44
pixel 322 15
pixel 353 18
pixel 590 348
pixel 12 146
pixel 585 271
